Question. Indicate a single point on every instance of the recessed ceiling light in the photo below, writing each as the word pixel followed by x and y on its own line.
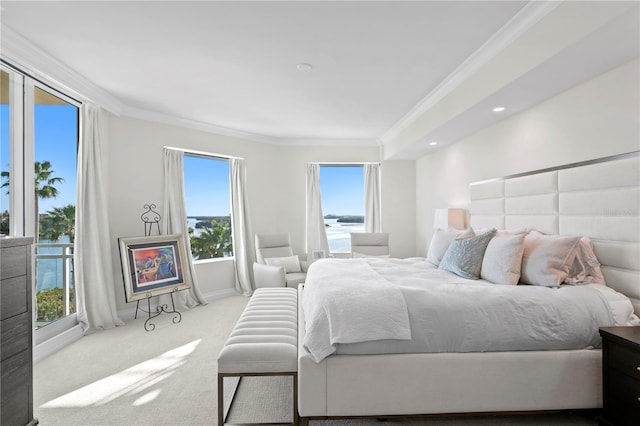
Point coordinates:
pixel 498 109
pixel 303 66
pixel 433 143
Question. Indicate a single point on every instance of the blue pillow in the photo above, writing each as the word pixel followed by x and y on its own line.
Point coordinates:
pixel 464 257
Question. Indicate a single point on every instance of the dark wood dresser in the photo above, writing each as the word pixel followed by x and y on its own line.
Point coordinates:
pixel 620 376
pixel 16 322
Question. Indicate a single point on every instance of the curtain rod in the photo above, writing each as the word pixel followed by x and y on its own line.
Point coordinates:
pixel 206 154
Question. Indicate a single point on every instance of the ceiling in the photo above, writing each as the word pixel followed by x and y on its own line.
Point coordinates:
pixel 376 68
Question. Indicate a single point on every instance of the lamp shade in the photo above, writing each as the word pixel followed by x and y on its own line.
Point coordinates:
pixel 450 218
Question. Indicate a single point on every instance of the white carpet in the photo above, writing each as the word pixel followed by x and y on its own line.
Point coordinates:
pixel 127 376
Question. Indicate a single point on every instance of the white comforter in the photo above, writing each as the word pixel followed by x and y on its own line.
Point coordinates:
pixel 344 316
pixel 358 306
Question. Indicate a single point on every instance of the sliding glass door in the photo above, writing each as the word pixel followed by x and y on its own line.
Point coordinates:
pixel 40 133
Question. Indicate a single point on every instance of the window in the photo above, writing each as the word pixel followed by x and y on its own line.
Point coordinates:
pixel 208 205
pixel 342 190
pixel 40 131
pixel 6 106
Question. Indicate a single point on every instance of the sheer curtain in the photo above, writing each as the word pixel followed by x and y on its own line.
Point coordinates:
pixel 372 216
pixel 242 243
pixel 316 233
pixel 93 264
pixel 175 222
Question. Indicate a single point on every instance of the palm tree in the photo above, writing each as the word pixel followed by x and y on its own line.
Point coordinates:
pixel 44 184
pixel 59 222
pixel 4 222
pixel 214 241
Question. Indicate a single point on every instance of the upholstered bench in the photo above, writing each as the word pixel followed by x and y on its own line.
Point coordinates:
pixel 264 342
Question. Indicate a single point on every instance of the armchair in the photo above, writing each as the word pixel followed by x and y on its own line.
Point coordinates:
pixel 276 264
pixel 370 244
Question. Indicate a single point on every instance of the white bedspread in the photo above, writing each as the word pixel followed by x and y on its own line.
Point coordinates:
pixel 360 307
pixel 336 311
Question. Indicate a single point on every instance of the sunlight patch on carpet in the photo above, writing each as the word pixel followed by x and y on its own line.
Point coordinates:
pixel 131 381
pixel 146 398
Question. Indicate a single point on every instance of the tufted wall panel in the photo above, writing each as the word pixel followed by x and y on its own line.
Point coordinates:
pixel 599 199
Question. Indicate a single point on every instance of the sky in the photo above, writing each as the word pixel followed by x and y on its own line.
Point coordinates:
pixel 56 141
pixel 342 189
pixel 206 183
pixel 206 180
pixel 207 188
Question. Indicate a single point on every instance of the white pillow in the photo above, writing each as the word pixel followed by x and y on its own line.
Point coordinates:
pixel 441 240
pixel 503 258
pixel 362 255
pixel 289 263
pixel 547 259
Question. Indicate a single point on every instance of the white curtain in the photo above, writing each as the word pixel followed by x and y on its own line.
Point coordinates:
pixel 372 216
pixel 93 265
pixel 316 232
pixel 242 243
pixel 175 222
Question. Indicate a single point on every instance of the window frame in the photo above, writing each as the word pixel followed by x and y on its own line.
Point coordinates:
pixel 215 157
pixel 324 212
pixel 22 145
pixel 22 148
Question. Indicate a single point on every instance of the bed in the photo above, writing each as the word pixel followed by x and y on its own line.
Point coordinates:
pixel 600 200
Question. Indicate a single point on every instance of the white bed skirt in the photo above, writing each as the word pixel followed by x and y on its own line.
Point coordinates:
pixel 406 384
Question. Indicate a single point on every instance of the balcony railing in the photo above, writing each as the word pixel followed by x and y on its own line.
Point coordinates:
pixel 54 270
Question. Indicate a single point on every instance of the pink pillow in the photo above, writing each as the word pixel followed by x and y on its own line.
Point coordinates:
pixel 547 259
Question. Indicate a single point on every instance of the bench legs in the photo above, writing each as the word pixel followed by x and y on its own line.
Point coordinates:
pixel 221 414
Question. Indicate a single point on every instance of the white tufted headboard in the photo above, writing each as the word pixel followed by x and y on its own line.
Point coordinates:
pixel 599 199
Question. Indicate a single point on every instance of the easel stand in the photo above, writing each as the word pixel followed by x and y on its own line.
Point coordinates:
pixel 160 309
pixel 150 218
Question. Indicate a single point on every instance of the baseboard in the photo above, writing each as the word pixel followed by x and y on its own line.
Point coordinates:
pixel 54 344
pixel 220 294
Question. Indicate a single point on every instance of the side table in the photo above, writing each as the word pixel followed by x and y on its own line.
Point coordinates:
pixel 620 376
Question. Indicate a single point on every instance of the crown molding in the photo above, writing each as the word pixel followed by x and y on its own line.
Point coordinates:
pixel 23 54
pixel 161 118
pixel 328 141
pixel 507 34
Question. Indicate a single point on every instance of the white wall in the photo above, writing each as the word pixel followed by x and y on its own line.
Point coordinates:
pixel 398 188
pixel 275 184
pixel 596 119
pixel 399 206
pixel 135 178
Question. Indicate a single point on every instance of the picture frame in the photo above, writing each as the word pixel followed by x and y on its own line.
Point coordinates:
pixel 318 254
pixel 153 265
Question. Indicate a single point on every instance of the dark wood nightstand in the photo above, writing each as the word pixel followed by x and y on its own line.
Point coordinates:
pixel 620 376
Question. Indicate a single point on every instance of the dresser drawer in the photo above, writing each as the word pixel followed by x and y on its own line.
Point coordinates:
pixel 13 299
pixel 624 360
pixel 624 399
pixel 16 384
pixel 13 261
pixel 16 335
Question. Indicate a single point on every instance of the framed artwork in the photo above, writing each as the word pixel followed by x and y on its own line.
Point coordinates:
pixel 153 265
pixel 318 254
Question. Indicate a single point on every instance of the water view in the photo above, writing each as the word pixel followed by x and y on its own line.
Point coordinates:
pixel 50 266
pixel 338 234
